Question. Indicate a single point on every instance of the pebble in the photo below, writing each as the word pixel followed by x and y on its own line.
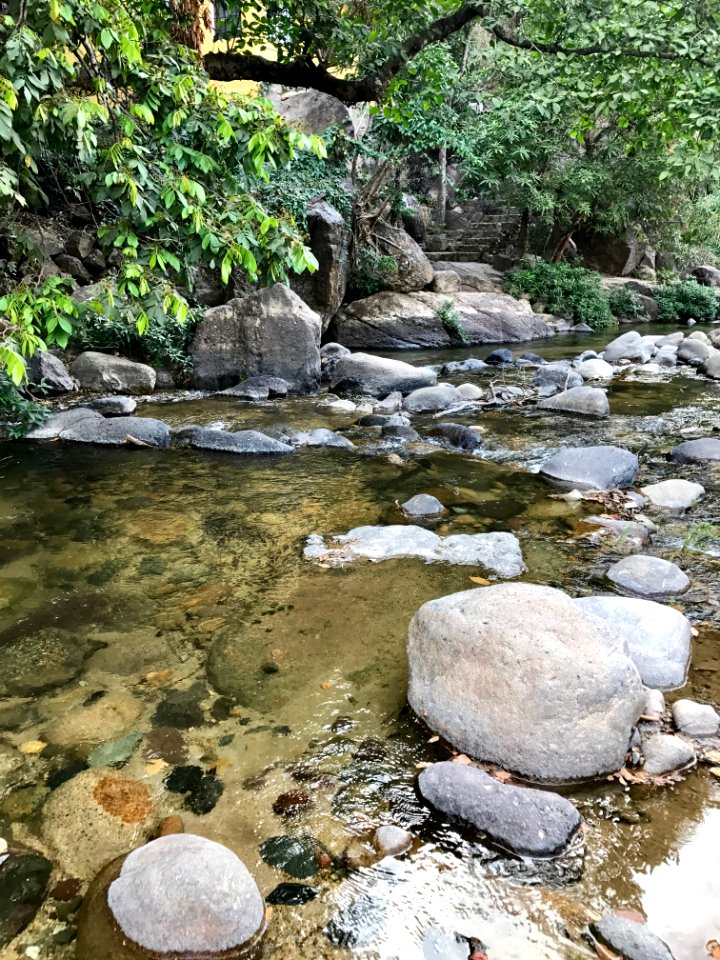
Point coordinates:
pixel 391 841
pixel 696 719
pixel 629 939
pixel 423 505
pixel 654 704
pixel 291 803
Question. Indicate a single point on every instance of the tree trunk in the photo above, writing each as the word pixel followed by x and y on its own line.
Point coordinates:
pixel 442 188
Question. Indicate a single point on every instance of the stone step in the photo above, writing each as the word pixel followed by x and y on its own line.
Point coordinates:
pixel 453 256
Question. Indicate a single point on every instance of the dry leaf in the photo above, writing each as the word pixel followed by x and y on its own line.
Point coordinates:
pixel 32 747
pixel 605 953
pixel 326 684
pixel 712 756
pixel 423 765
pixel 461 758
pixel 155 766
pixel 481 580
pixel 502 775
pixel 156 678
pixel 715 771
pixel 433 739
pixel 268 913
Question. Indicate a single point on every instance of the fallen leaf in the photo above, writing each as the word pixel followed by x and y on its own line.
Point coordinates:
pixel 712 756
pixel 461 758
pixel 326 684
pixel 481 580
pixel 433 739
pixel 156 678
pixel 632 915
pixel 605 953
pixel 32 747
pixel 155 766
pixel 423 765
pixel 268 913
pixel 715 771
pixel 502 775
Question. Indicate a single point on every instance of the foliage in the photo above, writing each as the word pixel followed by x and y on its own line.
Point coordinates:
pixel 97 92
pixel 370 271
pixel 18 414
pixel 568 291
pixel 34 319
pixel 625 302
pixel 450 318
pixel 699 535
pixel 687 300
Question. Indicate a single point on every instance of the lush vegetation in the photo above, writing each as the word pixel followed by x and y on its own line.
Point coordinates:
pixel 566 290
pixel 688 300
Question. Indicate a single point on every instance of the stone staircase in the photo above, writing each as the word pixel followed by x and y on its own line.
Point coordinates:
pixel 474 235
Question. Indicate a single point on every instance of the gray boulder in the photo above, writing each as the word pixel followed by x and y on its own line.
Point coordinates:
pixel 675 495
pixel 497 552
pixel 697 451
pixel 431 399
pixel 257 389
pixel 46 369
pixel 711 366
pixel 628 346
pixel 595 369
pixel 396 321
pixel 485 664
pixel 630 939
pixel 474 277
pixel 314 112
pixel 456 435
pixel 471 365
pixel 378 377
pixel 696 719
pixel 114 406
pixel 73 267
pixel 584 401
pixel 104 372
pixel 324 290
pixel 527 822
pixel 423 505
pixel 664 753
pixel 658 638
pixel 270 333
pixel 558 375
pixel 694 352
pixel 66 419
pixel 186 895
pixel 414 270
pixel 469 391
pixel 320 437
pixel 446 281
pixel 707 275
pixel 650 577
pixel 592 468
pixel 248 442
pixel 119 432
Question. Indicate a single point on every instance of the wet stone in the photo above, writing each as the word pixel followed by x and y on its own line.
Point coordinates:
pixel 696 719
pixel 202 790
pixel 664 753
pixel 40 661
pixel 291 894
pixel 165 743
pixel 697 451
pixel 292 803
pixel 24 875
pixel 456 435
pixel 650 577
pixel 392 841
pixel 422 505
pixel 116 752
pixel 181 709
pixel 595 468
pixel 359 924
pixel 25 802
pixel 629 939
pixel 297 856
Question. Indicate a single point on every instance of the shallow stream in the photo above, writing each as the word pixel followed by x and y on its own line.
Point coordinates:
pixel 183 571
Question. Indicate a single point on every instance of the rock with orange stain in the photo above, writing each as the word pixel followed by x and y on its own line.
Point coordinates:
pixel 96 816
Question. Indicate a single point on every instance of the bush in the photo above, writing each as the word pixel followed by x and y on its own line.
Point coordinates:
pixel 625 302
pixel 450 318
pixel 568 291
pixel 687 300
pixel 369 271
pixel 17 413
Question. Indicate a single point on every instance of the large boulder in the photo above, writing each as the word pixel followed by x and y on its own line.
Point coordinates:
pixel 592 468
pixel 395 321
pixel 432 399
pixel 559 375
pixel 534 823
pixel 711 366
pixel 247 442
pixel 657 636
pixel 697 451
pixel 582 401
pixel 119 432
pixel 324 290
pixel 43 368
pixel 474 277
pixel 56 423
pixel 628 346
pixel 519 675
pixel 314 112
pixel 414 270
pixel 378 376
pixel 694 352
pixel 106 373
pixel 707 275
pixel 271 333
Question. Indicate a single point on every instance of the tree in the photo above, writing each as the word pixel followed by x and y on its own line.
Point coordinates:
pixel 99 105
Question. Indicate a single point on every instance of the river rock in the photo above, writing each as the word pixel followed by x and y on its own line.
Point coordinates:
pixel 592 468
pixel 118 432
pixel 378 376
pixel 103 372
pixel 45 368
pixel 675 495
pixel 471 365
pixel 392 841
pixel 257 389
pixel 658 637
pixel 695 451
pixel 628 346
pixel 104 718
pixel 24 876
pixel 595 369
pixel 500 357
pixel 666 357
pixel 711 366
pixel 630 939
pixel 625 534
pixel 484 665
pixel 586 401
pixel 654 705
pixel 534 823
pixel 94 817
pixel 271 332
pixel 696 719
pixel 498 552
pixel 558 375
pixel 398 321
pixel 114 406
pixel 664 753
pixel 456 435
pixel 431 399
pixel 650 577
pixel 248 442
pixel 693 352
pixel 470 391
pixel 64 420
pixel 329 235
pixel 37 661
pixel 422 505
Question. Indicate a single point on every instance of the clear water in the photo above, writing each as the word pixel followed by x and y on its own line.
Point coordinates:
pixel 191 564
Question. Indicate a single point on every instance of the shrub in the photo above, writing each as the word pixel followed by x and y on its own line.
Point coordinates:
pixel 17 413
pixel 370 270
pixel 625 302
pixel 450 318
pixel 566 290
pixel 687 300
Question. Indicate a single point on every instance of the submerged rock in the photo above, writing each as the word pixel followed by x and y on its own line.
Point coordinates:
pixel 696 719
pixel 649 577
pixel 422 505
pixel 180 896
pixel 24 876
pixel 592 468
pixel 247 442
pixel 585 401
pixel 392 841
pixel 257 389
pixel 696 451
pixel 497 552
pixel 36 662
pixel 300 857
pixel 630 939
pixel 114 406
pixel 658 637
pixel 118 432
pixel 485 664
pixel 664 753
pixel 534 823
pixel 457 435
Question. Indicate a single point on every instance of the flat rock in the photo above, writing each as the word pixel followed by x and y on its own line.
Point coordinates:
pixel 248 442
pixel 497 552
pixel 534 823
pixel 471 365
pixel 696 451
pixel 423 505
pixel 664 753
pixel 675 495
pixel 37 661
pixel 649 577
pixel 378 376
pixel 257 389
pixel 484 665
pixel 696 719
pixel 658 637
pixel 629 939
pixel 119 431
pixel 585 401
pixel 114 406
pixel 65 420
pixel 627 533
pixel 321 437
pixel 592 468
pixel 431 399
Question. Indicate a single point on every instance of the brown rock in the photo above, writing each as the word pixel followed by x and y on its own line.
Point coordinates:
pixel 171 824
pixel 126 799
pixel 291 803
